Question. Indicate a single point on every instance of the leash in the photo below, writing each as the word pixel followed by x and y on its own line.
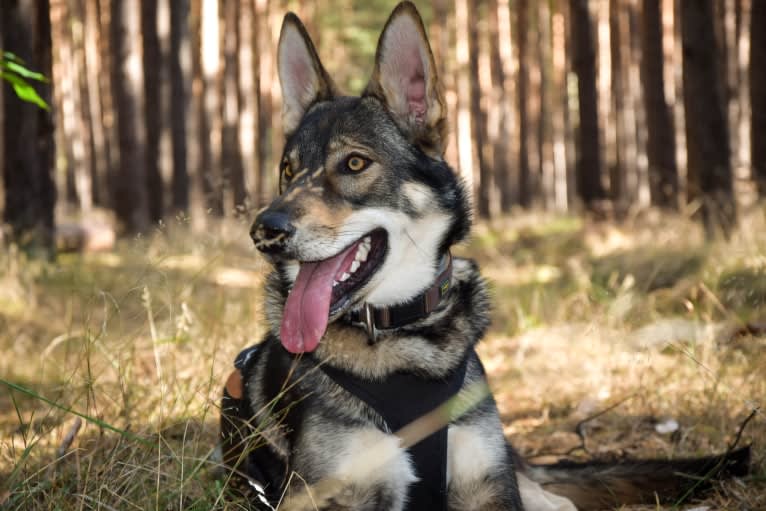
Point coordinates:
pixel 372 318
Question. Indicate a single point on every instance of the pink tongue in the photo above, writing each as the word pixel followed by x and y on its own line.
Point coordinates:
pixel 307 309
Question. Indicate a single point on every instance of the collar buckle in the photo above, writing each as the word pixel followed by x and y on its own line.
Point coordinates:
pixel 369 323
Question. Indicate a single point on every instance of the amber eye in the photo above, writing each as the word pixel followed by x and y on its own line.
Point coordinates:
pixel 287 171
pixel 356 163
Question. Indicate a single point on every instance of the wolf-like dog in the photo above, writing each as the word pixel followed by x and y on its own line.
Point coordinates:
pixel 372 323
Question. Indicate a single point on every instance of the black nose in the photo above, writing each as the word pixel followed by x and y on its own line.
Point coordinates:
pixel 271 230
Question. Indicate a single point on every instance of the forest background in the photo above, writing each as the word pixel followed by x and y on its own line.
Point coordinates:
pixel 616 151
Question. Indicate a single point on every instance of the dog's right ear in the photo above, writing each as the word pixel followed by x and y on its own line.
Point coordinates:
pixel 303 78
pixel 405 79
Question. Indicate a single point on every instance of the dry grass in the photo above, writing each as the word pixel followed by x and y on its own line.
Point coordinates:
pixel 644 316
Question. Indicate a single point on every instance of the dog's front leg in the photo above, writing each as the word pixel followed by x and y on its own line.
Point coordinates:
pixel 369 472
pixel 480 475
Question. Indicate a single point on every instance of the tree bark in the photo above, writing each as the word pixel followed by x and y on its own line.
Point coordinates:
pixel 231 154
pixel 661 143
pixel 545 155
pixel 129 189
pixel 265 71
pixel 209 123
pixel 93 69
pixel 28 146
pixel 707 135
pixel 590 188
pixel 758 94
pixel 499 132
pixel 522 84
pixel 153 77
pixel 617 168
pixel 478 117
pixel 180 76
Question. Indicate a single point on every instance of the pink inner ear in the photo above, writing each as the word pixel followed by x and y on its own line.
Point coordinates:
pixel 416 96
pixel 300 71
pixel 404 68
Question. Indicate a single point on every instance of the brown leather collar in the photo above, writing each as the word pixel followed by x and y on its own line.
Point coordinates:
pixel 373 318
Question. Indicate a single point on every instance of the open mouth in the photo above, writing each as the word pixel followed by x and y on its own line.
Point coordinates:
pixel 363 260
pixel 325 288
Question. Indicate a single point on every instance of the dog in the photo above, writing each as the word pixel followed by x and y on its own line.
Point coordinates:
pixel 349 402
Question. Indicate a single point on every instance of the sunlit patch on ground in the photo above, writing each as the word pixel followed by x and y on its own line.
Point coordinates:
pixel 649 340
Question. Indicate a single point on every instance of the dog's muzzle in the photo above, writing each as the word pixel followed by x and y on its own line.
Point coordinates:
pixel 271 230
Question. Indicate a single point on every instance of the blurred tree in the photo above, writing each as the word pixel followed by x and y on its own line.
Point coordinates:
pixel 210 122
pixel 661 141
pixel 478 115
pixel 264 65
pixel 231 105
pixel 522 87
pixel 153 75
pixel 707 135
pixel 28 146
pixel 180 78
pixel 129 190
pixel 590 189
pixel 758 94
pixel 500 133
pixel 617 167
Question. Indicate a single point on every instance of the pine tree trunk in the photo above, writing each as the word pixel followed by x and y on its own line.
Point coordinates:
pixel 617 166
pixel 758 94
pixel 129 189
pixel 707 135
pixel 231 154
pixel 209 124
pixel 180 78
pixel 500 135
pixel 478 118
pixel 544 115
pixel 661 143
pixel 522 84
pixel 28 147
pixel 93 69
pixel 265 68
pixel 108 109
pixel 153 77
pixel 590 188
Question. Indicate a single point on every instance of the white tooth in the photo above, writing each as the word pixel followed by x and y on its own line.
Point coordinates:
pixel 344 277
pixel 361 253
pixel 354 266
pixel 367 240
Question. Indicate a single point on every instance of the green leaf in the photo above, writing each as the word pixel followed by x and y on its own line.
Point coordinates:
pixel 22 71
pixel 24 91
pixel 7 55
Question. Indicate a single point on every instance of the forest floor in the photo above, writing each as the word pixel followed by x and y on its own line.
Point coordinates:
pixel 644 322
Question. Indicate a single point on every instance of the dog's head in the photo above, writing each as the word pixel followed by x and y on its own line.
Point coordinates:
pixel 367 206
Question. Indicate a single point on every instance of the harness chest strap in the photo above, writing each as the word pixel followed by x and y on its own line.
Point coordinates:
pixel 373 318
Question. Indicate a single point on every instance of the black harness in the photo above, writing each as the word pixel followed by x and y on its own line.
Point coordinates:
pixel 401 398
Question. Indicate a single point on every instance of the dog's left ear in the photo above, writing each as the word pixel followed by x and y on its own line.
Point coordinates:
pixel 405 79
pixel 302 76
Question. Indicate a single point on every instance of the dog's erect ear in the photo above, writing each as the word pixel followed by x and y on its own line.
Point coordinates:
pixel 405 79
pixel 303 78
